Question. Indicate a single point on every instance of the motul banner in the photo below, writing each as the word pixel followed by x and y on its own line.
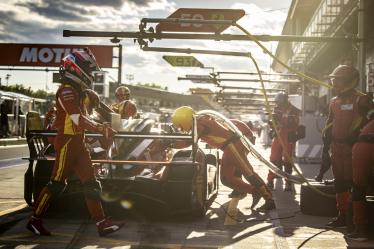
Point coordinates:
pixel 49 55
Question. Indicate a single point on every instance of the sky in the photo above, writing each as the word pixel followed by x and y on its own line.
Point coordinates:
pixel 42 21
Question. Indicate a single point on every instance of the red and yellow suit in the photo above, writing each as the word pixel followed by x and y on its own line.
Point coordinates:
pixel 231 172
pixel 116 107
pixel 287 121
pixel 363 166
pixel 126 109
pixel 72 156
pixel 346 117
pixel 234 156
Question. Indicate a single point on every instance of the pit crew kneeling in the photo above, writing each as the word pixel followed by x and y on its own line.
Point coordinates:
pixel 72 156
pixel 234 152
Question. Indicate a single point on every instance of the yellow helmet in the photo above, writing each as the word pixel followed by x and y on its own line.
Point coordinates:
pixel 182 118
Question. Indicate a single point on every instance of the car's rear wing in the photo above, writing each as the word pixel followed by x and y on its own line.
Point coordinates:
pixel 36 138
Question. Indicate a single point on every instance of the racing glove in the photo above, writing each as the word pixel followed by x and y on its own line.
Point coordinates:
pixel 107 140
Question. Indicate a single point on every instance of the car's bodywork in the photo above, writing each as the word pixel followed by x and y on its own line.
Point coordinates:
pixel 144 174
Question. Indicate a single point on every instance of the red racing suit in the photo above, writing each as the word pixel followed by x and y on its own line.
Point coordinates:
pixel 363 169
pixel 234 156
pixel 123 109
pixel 231 175
pixel 287 121
pixel 72 156
pixel 346 116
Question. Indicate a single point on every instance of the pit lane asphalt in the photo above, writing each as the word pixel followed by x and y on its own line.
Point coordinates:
pixel 285 227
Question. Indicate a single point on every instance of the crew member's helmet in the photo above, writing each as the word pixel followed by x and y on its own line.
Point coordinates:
pixel 344 78
pixel 281 99
pixel 127 109
pixel 77 68
pixel 122 93
pixel 182 118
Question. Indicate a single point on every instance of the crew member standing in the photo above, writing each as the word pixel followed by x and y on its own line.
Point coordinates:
pixel 346 117
pixel 286 119
pixel 363 169
pixel 127 109
pixel 124 106
pixel 122 93
pixel 72 155
pixel 234 156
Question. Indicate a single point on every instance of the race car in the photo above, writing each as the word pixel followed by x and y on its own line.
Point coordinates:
pixel 141 172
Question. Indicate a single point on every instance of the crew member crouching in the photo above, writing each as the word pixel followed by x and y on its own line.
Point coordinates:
pixel 234 156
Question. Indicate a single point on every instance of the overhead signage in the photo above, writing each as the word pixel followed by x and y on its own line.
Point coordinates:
pixel 199 78
pixel 200 14
pixel 49 55
pixel 182 61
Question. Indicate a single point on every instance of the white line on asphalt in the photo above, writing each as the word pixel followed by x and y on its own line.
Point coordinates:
pixel 280 240
pixel 10 210
pixel 11 159
pixel 5 202
pixel 13 146
pixel 11 166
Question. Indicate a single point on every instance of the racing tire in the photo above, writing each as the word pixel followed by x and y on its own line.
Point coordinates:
pixel 199 212
pixel 310 200
pixel 370 211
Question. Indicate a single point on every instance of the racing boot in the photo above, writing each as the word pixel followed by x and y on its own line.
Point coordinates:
pixel 256 197
pixel 269 205
pixel 288 187
pixel 318 177
pixel 35 225
pixel 107 226
pixel 359 234
pixel 237 194
pixel 270 184
pixel 337 222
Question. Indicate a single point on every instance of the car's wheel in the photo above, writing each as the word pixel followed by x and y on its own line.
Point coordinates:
pixel 199 210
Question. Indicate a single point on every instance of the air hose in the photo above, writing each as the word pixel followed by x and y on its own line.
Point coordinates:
pixel 301 178
pixel 249 146
pixel 302 75
pixel 289 158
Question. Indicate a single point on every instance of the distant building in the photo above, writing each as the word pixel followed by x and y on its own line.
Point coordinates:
pixel 159 101
pixel 325 18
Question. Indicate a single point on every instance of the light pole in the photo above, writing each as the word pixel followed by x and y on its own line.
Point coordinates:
pixel 7 76
pixel 130 77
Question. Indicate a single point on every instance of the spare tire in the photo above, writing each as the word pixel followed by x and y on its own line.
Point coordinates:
pixel 370 210
pixel 314 203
